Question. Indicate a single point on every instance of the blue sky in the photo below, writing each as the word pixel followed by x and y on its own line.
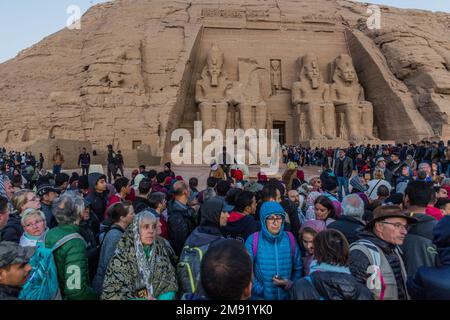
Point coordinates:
pixel 26 22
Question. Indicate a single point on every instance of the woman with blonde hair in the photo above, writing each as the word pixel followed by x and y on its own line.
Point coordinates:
pixel 35 228
pixel 21 200
pixel 375 183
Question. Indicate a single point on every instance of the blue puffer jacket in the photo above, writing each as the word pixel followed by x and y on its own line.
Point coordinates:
pixel 433 283
pixel 274 257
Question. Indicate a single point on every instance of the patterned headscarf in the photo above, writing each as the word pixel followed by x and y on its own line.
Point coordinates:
pixel 130 270
pixel 310 213
pixel 2 187
pixel 145 264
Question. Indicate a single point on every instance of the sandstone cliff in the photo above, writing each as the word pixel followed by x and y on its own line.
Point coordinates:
pixel 128 75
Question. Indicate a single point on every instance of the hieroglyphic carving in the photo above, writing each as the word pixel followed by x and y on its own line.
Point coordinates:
pixel 231 13
pixel 222 13
pixel 319 19
pixel 348 97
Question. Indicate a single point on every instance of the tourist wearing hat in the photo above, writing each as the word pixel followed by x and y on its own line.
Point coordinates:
pixel 73 181
pixel 378 249
pixel 381 166
pixel 14 269
pixel 395 166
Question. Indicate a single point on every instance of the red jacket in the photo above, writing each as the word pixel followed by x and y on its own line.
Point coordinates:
pixel 434 212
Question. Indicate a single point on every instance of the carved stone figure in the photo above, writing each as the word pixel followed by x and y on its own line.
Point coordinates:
pixel 247 96
pixel 210 93
pixel 310 95
pixel 275 75
pixel 348 97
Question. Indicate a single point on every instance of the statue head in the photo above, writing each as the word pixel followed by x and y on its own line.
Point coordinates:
pixel 309 69
pixel 344 70
pixel 275 64
pixel 214 62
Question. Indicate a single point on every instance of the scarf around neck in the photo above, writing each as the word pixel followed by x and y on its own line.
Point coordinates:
pixel 325 267
pixel 134 265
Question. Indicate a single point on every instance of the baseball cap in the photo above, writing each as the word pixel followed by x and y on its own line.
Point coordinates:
pixel 12 253
pixel 44 189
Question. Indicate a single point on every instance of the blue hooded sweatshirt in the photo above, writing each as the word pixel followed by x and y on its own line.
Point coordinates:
pixel 274 257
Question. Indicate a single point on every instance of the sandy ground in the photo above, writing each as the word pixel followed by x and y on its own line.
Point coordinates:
pixel 202 172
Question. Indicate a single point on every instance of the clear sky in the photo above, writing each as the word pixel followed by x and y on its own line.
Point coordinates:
pixel 433 5
pixel 26 22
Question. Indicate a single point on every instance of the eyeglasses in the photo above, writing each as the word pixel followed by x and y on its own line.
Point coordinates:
pixel 37 223
pixel 398 225
pixel 275 218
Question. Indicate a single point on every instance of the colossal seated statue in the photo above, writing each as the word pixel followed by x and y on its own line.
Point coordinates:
pixel 210 93
pixel 310 95
pixel 247 95
pixel 348 97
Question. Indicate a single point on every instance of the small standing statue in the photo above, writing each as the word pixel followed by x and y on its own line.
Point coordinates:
pixel 275 75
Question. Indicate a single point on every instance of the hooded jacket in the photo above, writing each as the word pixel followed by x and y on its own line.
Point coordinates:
pixel 140 204
pixel 209 228
pixel 13 229
pixel 240 226
pixel 49 217
pixel 181 223
pixel 418 248
pixel 71 259
pixel 274 257
pixel 433 283
pixel 349 226
pixel 99 201
pixel 328 282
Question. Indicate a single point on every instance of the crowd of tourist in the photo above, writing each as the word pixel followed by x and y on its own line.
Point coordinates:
pixel 374 225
